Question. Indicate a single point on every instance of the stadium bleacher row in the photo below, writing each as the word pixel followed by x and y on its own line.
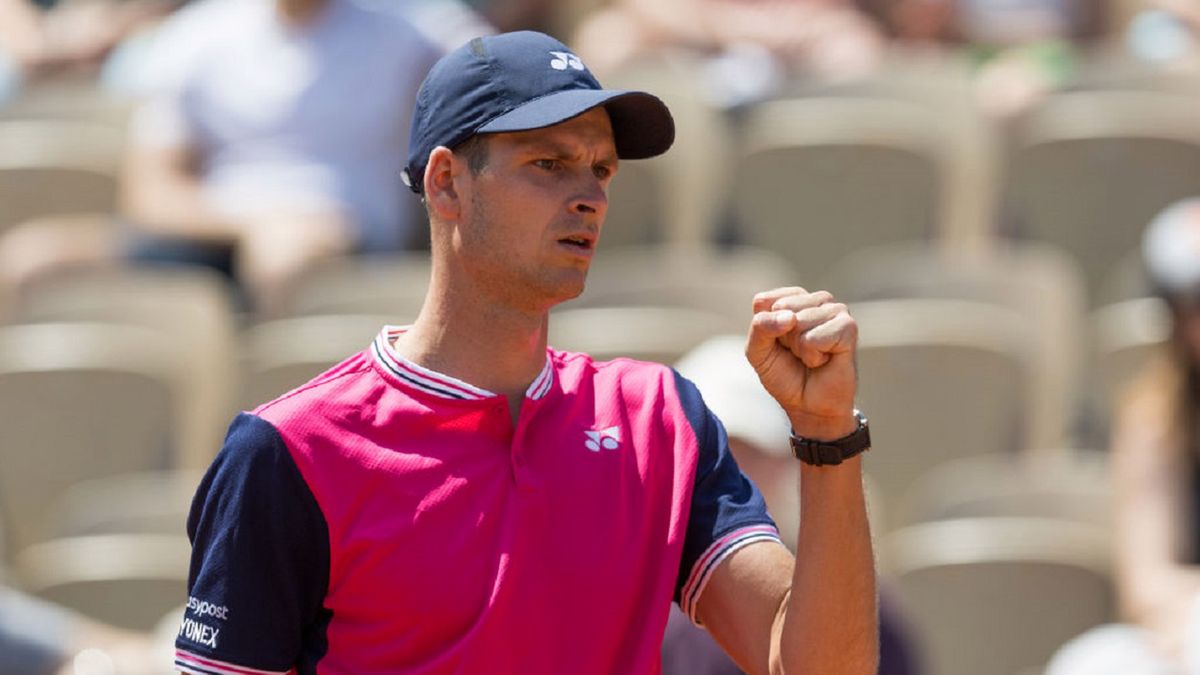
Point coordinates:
pixel 992 269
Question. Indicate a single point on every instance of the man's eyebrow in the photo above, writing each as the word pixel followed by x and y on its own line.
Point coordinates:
pixel 559 150
pixel 546 146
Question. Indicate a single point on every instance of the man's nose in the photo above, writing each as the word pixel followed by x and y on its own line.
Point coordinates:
pixel 592 197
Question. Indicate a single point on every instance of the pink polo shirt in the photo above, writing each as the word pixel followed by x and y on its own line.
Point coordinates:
pixel 385 518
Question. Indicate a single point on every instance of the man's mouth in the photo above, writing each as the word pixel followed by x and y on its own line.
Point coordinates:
pixel 582 243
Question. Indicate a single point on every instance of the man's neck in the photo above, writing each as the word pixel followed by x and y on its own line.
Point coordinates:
pixel 482 343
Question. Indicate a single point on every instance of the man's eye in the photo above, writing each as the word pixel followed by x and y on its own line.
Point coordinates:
pixel 547 164
pixel 602 172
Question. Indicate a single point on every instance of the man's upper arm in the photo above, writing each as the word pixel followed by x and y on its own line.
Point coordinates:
pixel 260 560
pixel 735 571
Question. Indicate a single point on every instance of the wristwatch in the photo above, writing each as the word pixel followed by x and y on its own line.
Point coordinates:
pixel 822 453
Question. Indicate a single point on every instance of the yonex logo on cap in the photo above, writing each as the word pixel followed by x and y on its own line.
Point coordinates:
pixel 564 60
pixel 609 439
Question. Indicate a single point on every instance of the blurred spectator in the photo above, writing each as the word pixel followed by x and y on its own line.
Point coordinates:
pixel 1166 33
pixel 39 40
pixel 275 136
pixel 272 134
pixel 510 15
pixel 1156 467
pixel 995 23
pixel 1023 48
pixel 819 38
pixel 758 436
pixel 449 23
pixel 38 638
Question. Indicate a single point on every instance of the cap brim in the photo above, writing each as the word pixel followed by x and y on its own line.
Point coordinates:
pixel 642 124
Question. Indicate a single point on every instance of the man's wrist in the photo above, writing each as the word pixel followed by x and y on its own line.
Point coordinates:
pixel 823 428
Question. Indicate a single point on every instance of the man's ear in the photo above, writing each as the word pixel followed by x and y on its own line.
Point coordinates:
pixel 441 184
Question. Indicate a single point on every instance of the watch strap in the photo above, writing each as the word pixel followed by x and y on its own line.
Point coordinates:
pixel 823 453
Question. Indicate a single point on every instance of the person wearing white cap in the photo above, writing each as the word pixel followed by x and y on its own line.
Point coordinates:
pixel 1156 473
pixel 757 427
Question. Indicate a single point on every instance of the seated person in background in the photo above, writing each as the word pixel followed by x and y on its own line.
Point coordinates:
pixel 758 438
pixel 995 23
pixel 1166 33
pixel 1024 48
pixel 275 137
pixel 43 39
pixel 1156 474
pixel 827 39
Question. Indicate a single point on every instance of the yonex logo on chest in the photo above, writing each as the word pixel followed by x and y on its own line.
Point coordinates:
pixel 564 60
pixel 608 439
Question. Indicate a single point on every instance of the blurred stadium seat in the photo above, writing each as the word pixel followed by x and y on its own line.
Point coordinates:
pixel 148 502
pixel 126 580
pixel 719 280
pixel 1063 484
pixel 191 309
pixel 78 401
pixel 283 354
pixel 675 198
pixel 940 379
pixel 1126 280
pixel 57 167
pixel 821 177
pixel 67 99
pixel 1089 170
pixel 943 86
pixel 1039 281
pixel 376 284
pixel 996 596
pixel 649 333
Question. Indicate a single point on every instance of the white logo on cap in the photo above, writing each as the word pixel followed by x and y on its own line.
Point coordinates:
pixel 563 60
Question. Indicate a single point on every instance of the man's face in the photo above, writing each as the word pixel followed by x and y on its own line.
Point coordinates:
pixel 532 216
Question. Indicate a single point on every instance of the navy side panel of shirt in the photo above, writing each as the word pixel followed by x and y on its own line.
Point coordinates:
pixel 260 558
pixel 723 498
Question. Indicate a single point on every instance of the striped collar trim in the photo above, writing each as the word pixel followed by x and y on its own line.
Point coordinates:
pixel 541 384
pixel 438 384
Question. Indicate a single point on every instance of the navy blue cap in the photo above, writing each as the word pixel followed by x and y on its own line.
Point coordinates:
pixel 521 81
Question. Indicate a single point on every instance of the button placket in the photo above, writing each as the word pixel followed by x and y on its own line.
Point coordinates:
pixel 518 454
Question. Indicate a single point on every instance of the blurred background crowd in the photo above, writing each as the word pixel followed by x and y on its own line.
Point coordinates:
pixel 201 207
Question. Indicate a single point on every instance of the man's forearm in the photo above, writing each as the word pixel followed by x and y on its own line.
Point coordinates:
pixel 830 624
pixel 163 198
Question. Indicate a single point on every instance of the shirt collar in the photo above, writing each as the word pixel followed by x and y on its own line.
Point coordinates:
pixel 439 384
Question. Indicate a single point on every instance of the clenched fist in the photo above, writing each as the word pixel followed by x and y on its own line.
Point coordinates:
pixel 802 346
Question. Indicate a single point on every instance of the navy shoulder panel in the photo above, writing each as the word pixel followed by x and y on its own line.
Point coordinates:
pixel 723 498
pixel 260 559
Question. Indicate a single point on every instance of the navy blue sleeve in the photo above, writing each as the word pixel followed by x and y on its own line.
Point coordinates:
pixel 727 510
pixel 260 561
